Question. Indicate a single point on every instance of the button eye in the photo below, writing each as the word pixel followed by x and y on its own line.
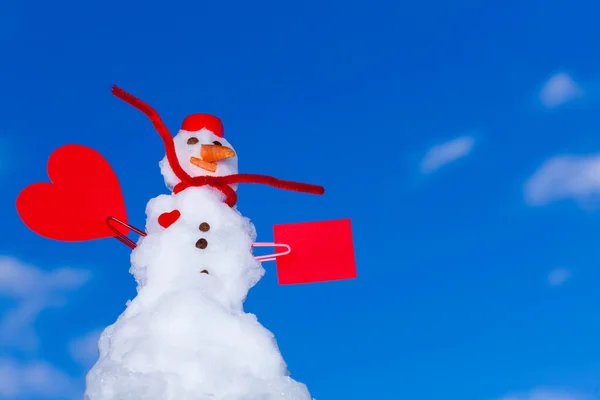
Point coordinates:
pixel 192 140
pixel 217 143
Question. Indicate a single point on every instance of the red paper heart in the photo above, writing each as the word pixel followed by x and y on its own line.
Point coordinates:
pixel 167 219
pixel 74 207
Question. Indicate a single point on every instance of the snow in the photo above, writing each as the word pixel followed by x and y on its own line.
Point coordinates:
pixel 185 336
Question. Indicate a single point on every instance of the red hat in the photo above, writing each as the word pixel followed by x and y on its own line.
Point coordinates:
pixel 196 122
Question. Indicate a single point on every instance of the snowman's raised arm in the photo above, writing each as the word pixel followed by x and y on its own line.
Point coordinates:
pixel 160 128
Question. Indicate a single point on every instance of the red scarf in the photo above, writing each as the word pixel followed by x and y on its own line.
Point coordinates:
pixel 219 182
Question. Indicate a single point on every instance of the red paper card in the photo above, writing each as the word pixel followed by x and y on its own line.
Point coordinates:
pixel 320 252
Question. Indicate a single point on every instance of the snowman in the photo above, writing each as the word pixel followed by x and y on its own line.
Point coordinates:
pixel 185 336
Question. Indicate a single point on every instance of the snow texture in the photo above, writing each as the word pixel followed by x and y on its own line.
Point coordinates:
pixel 185 336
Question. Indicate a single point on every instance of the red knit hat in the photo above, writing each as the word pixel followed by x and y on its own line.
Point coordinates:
pixel 196 122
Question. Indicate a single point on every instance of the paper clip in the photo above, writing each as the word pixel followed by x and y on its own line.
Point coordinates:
pixel 131 244
pixel 271 257
pixel 120 236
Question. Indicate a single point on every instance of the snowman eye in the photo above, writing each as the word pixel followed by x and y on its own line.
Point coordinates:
pixel 192 140
pixel 217 143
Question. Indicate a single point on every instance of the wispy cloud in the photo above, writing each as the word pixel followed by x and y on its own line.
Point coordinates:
pixel 36 378
pixel 558 90
pixel 563 177
pixel 543 394
pixel 558 276
pixel 84 350
pixel 445 153
pixel 32 290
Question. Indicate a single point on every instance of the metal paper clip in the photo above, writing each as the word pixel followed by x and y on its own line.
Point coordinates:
pixel 120 236
pixel 272 257
pixel 131 244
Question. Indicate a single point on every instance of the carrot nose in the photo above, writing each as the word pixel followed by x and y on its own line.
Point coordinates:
pixel 213 153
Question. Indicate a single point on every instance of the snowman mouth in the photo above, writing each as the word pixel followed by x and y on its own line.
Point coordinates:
pixel 209 166
pixel 210 154
pixel 204 272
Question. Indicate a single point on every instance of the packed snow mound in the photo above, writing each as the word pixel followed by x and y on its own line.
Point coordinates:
pixel 185 336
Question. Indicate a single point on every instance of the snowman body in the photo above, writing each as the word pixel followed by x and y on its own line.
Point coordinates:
pixel 185 336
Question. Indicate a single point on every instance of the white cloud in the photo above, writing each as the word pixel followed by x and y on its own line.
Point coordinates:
pixel 19 280
pixel 444 153
pixel 558 276
pixel 543 394
pixel 559 89
pixel 33 290
pixel 84 350
pixel 36 378
pixel 563 177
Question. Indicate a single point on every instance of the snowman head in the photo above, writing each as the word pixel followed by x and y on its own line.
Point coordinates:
pixel 201 149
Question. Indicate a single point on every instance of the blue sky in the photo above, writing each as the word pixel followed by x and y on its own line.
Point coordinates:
pixel 460 138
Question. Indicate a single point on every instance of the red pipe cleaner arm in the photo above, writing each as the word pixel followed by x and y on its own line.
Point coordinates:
pixel 160 128
pixel 252 178
pixel 222 184
pixel 269 180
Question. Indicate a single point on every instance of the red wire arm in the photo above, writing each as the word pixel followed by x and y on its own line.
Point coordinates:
pixel 222 183
pixel 161 129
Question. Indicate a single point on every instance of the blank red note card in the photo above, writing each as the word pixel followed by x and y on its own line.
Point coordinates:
pixel 320 252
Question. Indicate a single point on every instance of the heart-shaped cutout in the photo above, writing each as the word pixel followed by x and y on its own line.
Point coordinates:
pixel 83 192
pixel 167 219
